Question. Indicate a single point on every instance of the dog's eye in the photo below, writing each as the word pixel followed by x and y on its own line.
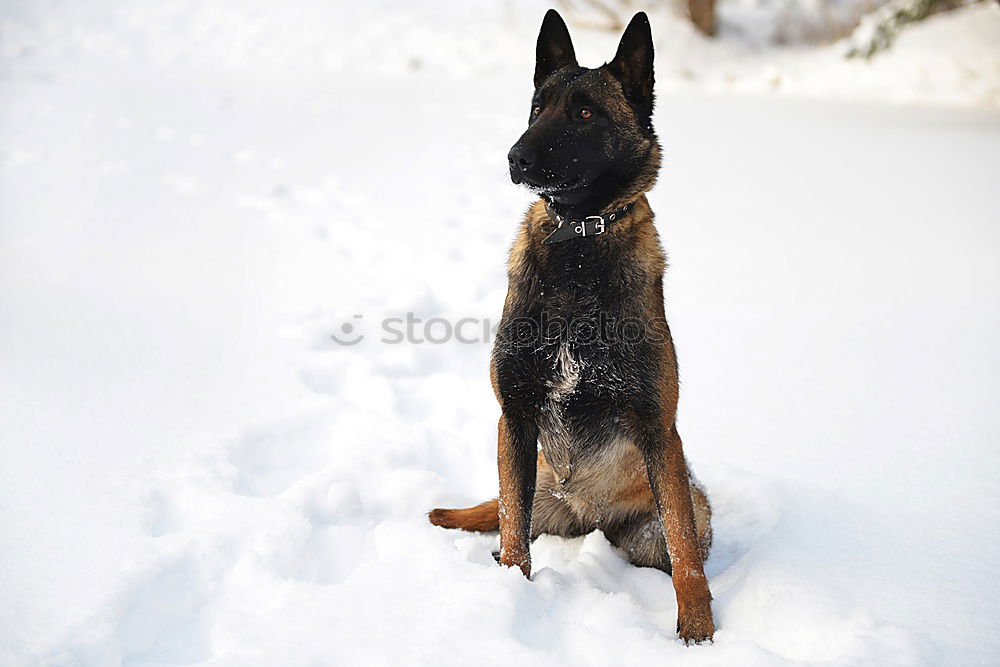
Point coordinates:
pixel 585 113
pixel 535 110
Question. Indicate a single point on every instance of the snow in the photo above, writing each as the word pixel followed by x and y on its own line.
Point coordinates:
pixel 195 196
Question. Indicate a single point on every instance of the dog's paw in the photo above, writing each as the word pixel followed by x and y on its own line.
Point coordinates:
pixel 516 558
pixel 694 622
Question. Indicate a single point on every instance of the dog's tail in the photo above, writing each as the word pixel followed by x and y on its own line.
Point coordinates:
pixel 483 517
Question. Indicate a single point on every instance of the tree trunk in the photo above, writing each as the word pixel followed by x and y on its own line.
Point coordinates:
pixel 703 15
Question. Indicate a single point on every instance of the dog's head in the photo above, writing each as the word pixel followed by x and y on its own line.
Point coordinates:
pixel 589 134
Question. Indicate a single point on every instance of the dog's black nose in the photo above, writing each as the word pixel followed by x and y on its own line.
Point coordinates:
pixel 520 157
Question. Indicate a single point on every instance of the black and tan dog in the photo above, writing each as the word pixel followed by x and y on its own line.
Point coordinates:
pixel 584 363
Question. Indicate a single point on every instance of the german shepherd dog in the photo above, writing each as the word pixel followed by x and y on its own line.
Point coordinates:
pixel 583 362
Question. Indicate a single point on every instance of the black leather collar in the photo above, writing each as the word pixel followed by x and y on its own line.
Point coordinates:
pixel 592 225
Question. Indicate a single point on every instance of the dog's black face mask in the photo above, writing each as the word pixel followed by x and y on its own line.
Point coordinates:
pixel 589 133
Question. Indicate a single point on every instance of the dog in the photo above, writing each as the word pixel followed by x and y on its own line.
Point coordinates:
pixel 583 363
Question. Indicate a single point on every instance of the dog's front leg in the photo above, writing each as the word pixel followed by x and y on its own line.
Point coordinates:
pixel 516 460
pixel 671 487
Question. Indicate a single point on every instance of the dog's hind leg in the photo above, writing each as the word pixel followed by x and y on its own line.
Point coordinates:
pixel 702 515
pixel 640 534
pixel 637 531
pixel 641 538
pixel 551 515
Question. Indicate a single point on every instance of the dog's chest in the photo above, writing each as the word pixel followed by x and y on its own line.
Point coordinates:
pixel 579 376
pixel 556 428
pixel 591 457
pixel 580 415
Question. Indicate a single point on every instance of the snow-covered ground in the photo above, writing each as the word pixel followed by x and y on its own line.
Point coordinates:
pixel 195 196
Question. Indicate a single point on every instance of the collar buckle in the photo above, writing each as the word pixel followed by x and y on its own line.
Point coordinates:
pixel 599 225
pixel 592 225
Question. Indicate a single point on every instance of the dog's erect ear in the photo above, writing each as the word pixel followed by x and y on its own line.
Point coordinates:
pixel 633 64
pixel 555 48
